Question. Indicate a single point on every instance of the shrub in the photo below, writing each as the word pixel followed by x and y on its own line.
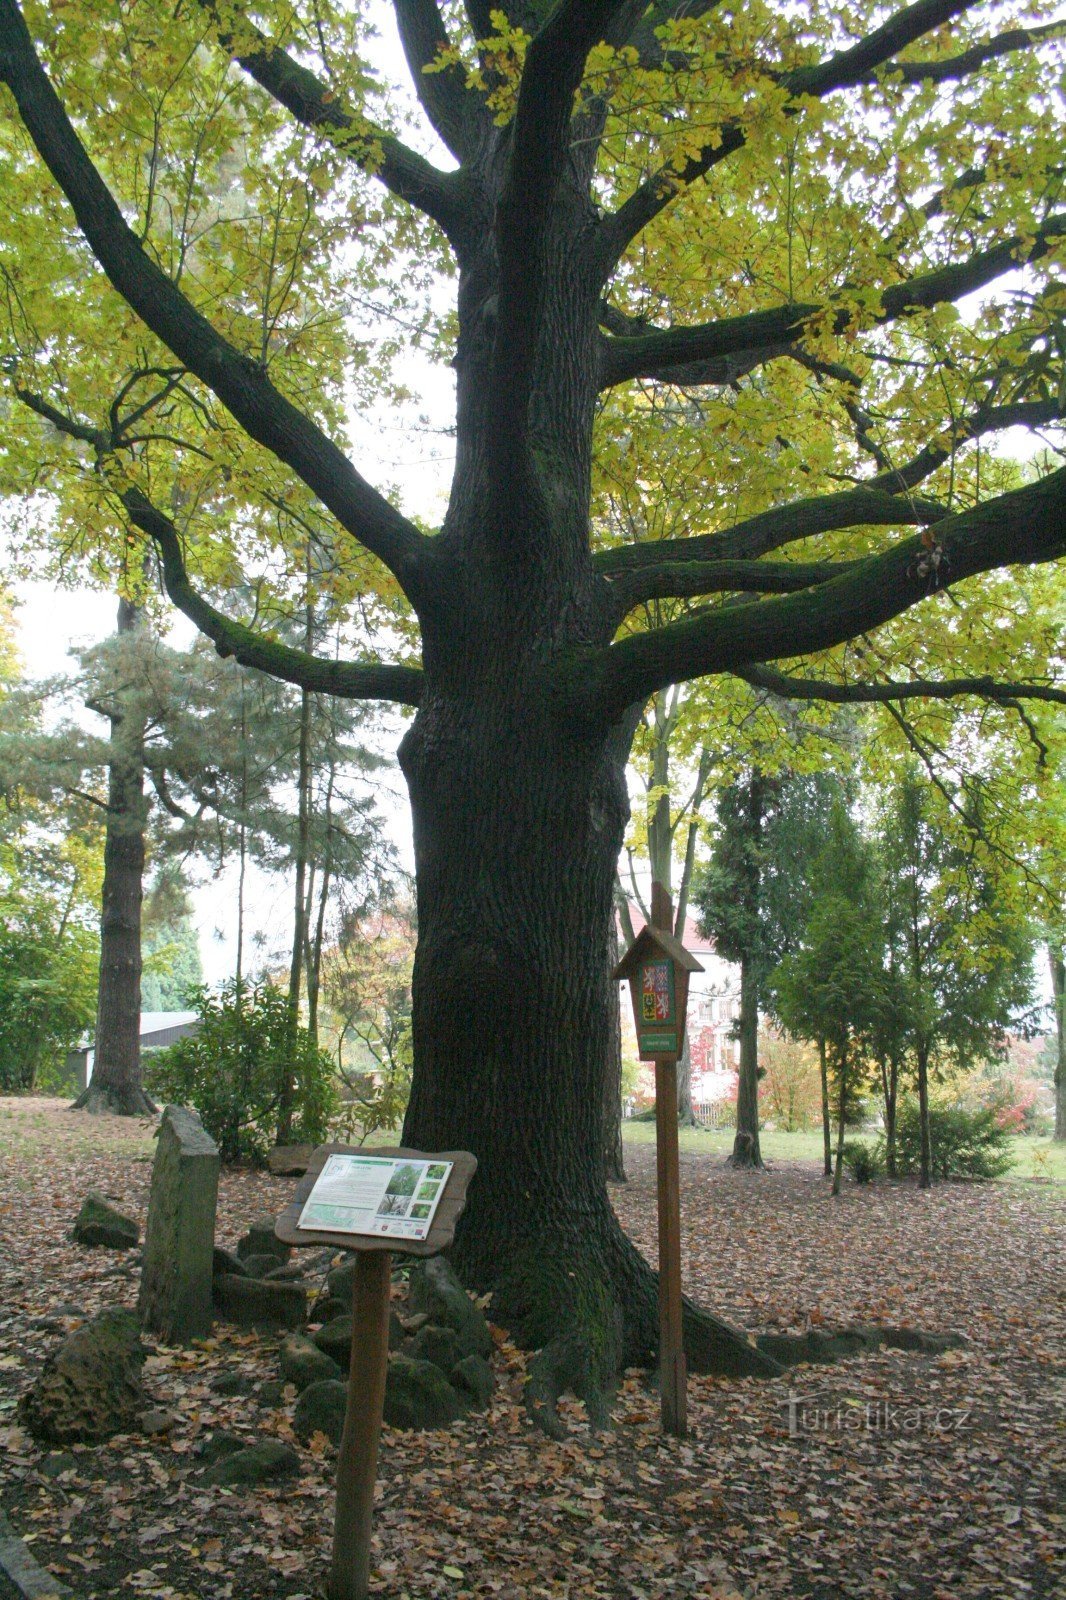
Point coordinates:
pixel 864 1161
pixel 964 1144
pixel 234 1068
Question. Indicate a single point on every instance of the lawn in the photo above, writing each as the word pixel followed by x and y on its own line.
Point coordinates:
pixel 1035 1159
pixel 906 1477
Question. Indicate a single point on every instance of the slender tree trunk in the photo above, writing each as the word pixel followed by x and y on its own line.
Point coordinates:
pixel 116 1081
pixel 685 1114
pixel 842 1108
pixel 1057 959
pixel 890 1088
pixel 613 1153
pixel 287 1086
pixel 746 1152
pixel 242 836
pixel 925 1176
pixel 827 1134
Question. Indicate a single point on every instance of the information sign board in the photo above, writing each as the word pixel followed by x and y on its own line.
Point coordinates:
pixel 386 1197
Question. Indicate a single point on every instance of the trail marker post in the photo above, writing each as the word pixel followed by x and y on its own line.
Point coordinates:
pixel 332 1200
pixel 658 967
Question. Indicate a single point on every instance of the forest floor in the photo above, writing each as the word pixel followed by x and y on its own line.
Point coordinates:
pixel 904 1477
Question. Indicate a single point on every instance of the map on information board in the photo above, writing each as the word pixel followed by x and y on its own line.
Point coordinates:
pixel 386 1196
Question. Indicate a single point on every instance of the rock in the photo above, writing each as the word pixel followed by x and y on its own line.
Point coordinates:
pixel 90 1387
pixel 439 1345
pixel 175 1293
pixel 259 1463
pixel 435 1289
pixel 288 1272
pixel 261 1240
pixel 397 1332
pixel 271 1394
pixel 930 1344
pixel 335 1339
pixel 219 1444
pixel 329 1309
pixel 320 1409
pixel 473 1377
pixel 261 1265
pixel 56 1463
pixel 98 1222
pixel 418 1395
pixel 230 1383
pixel 289 1160
pixel 254 1303
pixel 303 1363
pixel 156 1420
pixel 226 1261
pixel 340 1281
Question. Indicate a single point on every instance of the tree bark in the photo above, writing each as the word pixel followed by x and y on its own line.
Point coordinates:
pixel 287 1086
pixel 925 1175
pixel 827 1132
pixel 685 1114
pixel 890 1090
pixel 842 1107
pixel 115 1085
pixel 1057 960
pixel 613 1154
pixel 746 1152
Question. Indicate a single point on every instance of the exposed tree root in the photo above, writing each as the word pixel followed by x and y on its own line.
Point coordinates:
pixel 746 1154
pixel 102 1100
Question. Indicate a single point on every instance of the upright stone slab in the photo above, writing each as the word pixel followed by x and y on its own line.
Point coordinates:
pixel 175 1297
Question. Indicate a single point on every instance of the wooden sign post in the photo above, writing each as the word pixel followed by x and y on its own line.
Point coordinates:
pixel 658 968
pixel 349 1577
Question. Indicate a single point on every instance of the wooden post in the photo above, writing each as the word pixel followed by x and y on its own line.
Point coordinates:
pixel 673 1376
pixel 349 1577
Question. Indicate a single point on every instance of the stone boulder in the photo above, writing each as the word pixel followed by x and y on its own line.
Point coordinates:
pixel 439 1345
pixel 418 1395
pixel 261 1240
pixel 435 1290
pixel 320 1409
pixel 99 1223
pixel 303 1363
pixel 90 1387
pixel 473 1379
pixel 289 1160
pixel 257 1463
pixel 335 1339
pixel 255 1303
pixel 223 1261
pixel 261 1265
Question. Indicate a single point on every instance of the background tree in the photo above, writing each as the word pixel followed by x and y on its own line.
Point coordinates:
pixel 781 211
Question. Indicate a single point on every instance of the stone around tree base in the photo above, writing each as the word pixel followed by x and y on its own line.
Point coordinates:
pixel 261 1240
pixel 439 1345
pixel 253 1303
pixel 259 1463
pixel 303 1363
pixel 474 1381
pixel 320 1409
pixel 98 1223
pixel 418 1395
pixel 435 1289
pixel 90 1387
pixel 289 1160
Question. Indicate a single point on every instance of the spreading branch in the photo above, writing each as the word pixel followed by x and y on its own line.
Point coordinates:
pixel 452 108
pixel 240 383
pixel 349 679
pixel 314 105
pixel 842 71
pixel 670 350
pixel 682 580
pixel 789 687
pixel 1025 525
pixel 950 68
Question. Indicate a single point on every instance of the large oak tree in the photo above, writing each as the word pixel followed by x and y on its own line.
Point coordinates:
pixel 733 239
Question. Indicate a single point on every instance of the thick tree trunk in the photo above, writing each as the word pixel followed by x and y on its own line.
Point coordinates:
pixel 517 827
pixel 746 1152
pixel 613 1155
pixel 827 1131
pixel 1057 959
pixel 115 1085
pixel 925 1175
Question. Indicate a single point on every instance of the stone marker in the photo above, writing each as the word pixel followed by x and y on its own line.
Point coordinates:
pixel 175 1297
pixel 99 1223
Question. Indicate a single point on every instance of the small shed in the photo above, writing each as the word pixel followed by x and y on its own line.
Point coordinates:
pixel 158 1029
pixel 658 967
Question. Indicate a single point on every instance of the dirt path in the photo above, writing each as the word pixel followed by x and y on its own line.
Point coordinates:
pixel 904 1476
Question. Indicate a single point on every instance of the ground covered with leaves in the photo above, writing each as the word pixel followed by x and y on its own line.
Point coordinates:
pixel 894 1475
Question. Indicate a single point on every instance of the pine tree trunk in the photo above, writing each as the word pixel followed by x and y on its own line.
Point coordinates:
pixel 1057 958
pixel 827 1132
pixel 115 1085
pixel 925 1176
pixel 517 827
pixel 746 1152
